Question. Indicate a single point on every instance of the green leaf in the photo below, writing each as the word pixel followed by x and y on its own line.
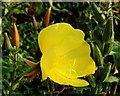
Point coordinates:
pixel 111 79
pixel 116 46
pixel 116 54
pixel 104 73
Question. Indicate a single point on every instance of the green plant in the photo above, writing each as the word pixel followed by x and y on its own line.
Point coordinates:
pixel 99 21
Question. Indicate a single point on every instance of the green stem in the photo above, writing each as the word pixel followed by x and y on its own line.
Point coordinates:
pixel 13 73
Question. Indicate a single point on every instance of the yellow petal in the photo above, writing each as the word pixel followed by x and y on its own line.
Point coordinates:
pixel 57 77
pixel 71 41
pixel 47 61
pixel 44 74
pixel 74 63
pixel 56 33
pixel 77 62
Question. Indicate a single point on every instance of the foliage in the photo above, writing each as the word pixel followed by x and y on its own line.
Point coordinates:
pixel 99 21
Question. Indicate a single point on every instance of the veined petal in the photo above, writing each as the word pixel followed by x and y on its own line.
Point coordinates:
pixel 77 62
pixel 74 63
pixel 47 61
pixel 59 78
pixel 70 42
pixel 56 33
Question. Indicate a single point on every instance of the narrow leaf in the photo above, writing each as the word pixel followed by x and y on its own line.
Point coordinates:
pixel 111 79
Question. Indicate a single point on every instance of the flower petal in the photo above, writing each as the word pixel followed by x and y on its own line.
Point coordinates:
pixel 47 61
pixel 70 42
pixel 55 34
pixel 77 62
pixel 57 77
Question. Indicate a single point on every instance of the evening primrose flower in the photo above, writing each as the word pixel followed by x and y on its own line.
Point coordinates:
pixel 65 55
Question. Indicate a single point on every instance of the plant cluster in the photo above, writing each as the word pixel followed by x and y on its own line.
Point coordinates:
pixel 21 24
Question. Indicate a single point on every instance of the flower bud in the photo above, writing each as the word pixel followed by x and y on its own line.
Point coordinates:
pixel 15 36
pixel 46 18
pixel 35 23
pixel 108 48
pixel 97 35
pixel 97 55
pixel 7 42
pixel 108 34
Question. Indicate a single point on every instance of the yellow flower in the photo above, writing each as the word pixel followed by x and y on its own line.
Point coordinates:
pixel 66 55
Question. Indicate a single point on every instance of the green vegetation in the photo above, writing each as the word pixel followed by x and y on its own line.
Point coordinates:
pixel 99 21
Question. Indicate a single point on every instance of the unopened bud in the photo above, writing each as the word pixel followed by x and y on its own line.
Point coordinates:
pixel 7 42
pixel 15 36
pixel 97 35
pixel 35 23
pixel 46 18
pixel 97 55
pixel 108 48
pixel 108 34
